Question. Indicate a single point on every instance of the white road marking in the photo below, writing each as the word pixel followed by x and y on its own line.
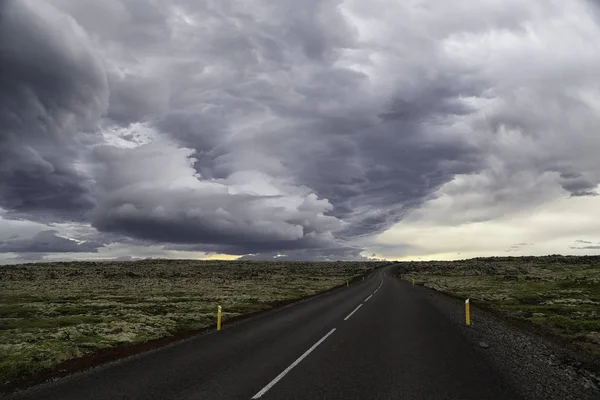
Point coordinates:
pixel 355 310
pixel 367 299
pixel 378 286
pixel 288 369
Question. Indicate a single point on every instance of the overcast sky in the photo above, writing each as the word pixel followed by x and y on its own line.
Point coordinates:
pixel 314 129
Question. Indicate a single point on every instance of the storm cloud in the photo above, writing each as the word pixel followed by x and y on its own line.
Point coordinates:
pixel 291 129
pixel 52 87
pixel 47 242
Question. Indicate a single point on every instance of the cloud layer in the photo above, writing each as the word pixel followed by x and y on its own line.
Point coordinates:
pixel 300 130
pixel 53 89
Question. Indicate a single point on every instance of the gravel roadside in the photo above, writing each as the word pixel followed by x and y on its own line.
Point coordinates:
pixel 536 366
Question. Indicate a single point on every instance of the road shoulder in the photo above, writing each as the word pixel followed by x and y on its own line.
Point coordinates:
pixel 536 366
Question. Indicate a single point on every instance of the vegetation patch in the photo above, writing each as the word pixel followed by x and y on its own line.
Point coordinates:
pixel 53 312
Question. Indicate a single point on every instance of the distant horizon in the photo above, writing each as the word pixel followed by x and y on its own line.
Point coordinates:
pixel 283 260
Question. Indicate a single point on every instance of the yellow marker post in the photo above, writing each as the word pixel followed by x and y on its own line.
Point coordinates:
pixel 219 318
pixel 413 281
pixel 467 312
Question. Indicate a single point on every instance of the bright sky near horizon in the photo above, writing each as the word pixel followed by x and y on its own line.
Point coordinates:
pixel 312 130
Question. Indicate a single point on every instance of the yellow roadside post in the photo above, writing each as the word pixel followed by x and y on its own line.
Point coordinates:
pixel 467 312
pixel 219 318
pixel 413 281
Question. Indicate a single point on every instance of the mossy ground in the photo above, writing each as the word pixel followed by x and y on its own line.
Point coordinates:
pixel 560 294
pixel 50 313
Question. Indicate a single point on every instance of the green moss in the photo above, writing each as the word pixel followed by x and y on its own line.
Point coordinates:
pixel 17 311
pixel 50 313
pixel 45 323
pixel 567 324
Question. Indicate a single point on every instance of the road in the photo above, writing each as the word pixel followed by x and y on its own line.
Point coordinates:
pixel 377 339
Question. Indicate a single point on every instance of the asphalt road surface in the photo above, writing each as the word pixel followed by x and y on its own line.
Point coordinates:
pixel 377 339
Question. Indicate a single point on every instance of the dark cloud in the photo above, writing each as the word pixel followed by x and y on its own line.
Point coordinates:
pixel 135 98
pixel 47 242
pixel 152 192
pixel 578 185
pixel 584 245
pixel 289 129
pixel 373 162
pixel 140 25
pixel 516 247
pixel 51 87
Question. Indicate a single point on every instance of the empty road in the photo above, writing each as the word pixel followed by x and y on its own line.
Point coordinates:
pixel 378 339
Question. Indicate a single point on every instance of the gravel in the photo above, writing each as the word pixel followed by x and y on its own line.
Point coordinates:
pixel 537 367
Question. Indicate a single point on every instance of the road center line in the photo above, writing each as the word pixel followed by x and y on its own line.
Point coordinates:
pixel 288 369
pixel 367 299
pixel 355 310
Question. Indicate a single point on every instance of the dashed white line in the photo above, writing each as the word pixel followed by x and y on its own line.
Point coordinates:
pixel 303 356
pixel 288 369
pixel 355 310
pixel 378 287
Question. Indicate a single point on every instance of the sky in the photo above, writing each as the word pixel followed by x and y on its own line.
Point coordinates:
pixel 299 130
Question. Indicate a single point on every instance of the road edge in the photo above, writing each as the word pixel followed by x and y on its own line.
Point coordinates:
pixel 493 327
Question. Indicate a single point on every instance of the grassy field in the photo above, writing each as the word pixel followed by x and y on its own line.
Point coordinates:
pixel 50 313
pixel 560 294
